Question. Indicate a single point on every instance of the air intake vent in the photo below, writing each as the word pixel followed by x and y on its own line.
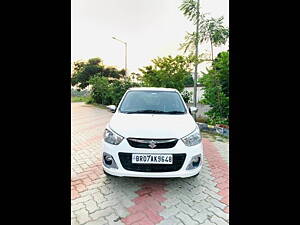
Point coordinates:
pixel 152 143
pixel 178 160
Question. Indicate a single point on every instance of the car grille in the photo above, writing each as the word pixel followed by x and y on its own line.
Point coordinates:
pixel 152 143
pixel 178 160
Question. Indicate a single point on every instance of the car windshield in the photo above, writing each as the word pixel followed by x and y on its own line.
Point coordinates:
pixel 158 102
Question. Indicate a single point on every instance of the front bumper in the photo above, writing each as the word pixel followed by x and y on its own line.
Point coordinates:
pixel 124 147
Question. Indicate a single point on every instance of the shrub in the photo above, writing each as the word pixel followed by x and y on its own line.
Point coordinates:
pixel 216 90
pixel 168 72
pixel 79 93
pixel 202 120
pixel 83 71
pixel 108 92
pixel 101 91
pixel 187 96
pixel 80 99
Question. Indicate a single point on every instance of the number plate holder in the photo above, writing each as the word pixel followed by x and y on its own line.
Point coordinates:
pixel 152 158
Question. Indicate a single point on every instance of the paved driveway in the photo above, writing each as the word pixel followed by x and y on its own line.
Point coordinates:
pixel 98 199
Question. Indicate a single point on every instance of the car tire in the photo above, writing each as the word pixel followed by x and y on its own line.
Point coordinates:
pixel 107 174
pixel 195 175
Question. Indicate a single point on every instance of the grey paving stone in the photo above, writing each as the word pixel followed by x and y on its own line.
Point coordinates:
pixel 127 203
pixel 206 174
pixel 74 222
pixel 81 212
pixel 108 203
pixel 188 200
pixel 216 203
pixel 196 191
pixel 170 221
pixel 212 187
pixel 99 198
pixel 91 206
pixel 186 219
pixel 200 197
pixel 200 207
pixel 81 199
pixel 101 213
pixel 78 170
pixel 186 209
pixel 170 202
pixel 169 212
pixel 132 195
pixel 105 191
pixel 84 165
pixel 89 192
pixel 207 222
pixel 100 221
pixel 83 218
pixel 114 219
pixel 75 207
pixel 220 213
pixel 121 210
pixel 212 194
pixel 184 198
pixel 218 220
pixel 202 216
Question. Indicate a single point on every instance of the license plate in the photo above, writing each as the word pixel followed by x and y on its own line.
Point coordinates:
pixel 152 159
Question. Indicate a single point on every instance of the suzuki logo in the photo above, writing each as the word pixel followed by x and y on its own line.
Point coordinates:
pixel 152 144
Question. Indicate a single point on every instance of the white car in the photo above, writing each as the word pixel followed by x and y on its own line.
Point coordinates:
pixel 152 134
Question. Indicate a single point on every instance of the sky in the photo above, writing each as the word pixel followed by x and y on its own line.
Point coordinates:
pixel 151 28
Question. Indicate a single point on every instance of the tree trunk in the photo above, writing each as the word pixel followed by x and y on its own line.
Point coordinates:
pixel 196 64
pixel 211 47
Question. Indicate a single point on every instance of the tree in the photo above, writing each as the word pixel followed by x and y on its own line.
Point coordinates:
pixel 189 81
pixel 169 72
pixel 101 91
pixel 189 9
pixel 210 29
pixel 134 76
pixel 105 91
pixel 84 71
pixel 216 89
pixel 187 96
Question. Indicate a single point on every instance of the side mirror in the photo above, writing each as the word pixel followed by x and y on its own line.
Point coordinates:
pixel 193 110
pixel 112 108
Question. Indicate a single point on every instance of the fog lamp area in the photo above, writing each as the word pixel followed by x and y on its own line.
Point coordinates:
pixel 108 161
pixel 195 162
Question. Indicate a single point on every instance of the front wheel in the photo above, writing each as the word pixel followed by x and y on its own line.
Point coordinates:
pixel 107 174
pixel 195 175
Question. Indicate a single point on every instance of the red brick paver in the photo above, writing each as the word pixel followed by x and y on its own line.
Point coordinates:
pixel 100 199
pixel 148 203
pixel 219 169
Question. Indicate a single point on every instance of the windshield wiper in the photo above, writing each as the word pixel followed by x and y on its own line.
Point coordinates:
pixel 174 112
pixel 155 111
pixel 146 111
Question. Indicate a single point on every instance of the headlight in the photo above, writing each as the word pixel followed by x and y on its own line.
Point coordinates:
pixel 193 138
pixel 112 137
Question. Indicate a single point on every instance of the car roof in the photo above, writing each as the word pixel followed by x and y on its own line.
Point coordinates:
pixel 151 89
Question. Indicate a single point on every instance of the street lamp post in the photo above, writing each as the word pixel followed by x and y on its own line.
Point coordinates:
pixel 125 53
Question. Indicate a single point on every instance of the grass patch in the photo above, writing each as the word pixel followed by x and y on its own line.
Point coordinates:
pixel 97 105
pixel 91 102
pixel 202 120
pixel 80 99
pixel 214 135
pixel 87 100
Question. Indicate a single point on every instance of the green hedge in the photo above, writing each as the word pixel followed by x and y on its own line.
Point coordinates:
pixel 109 92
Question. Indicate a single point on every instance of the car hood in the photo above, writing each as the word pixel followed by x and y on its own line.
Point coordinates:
pixel 152 125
